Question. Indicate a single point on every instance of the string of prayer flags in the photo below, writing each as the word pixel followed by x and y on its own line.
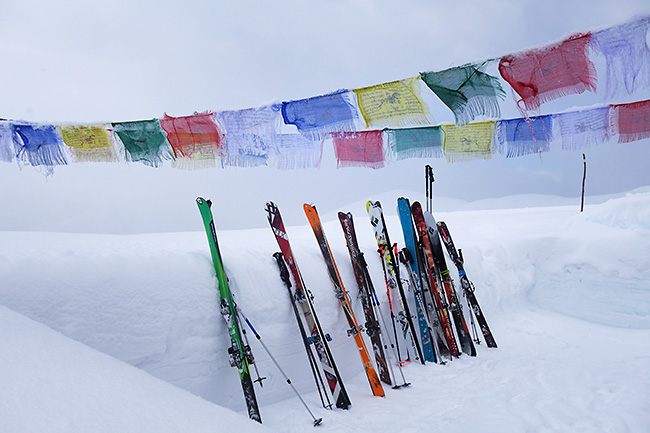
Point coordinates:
pixel 89 143
pixel 627 56
pixel 295 151
pixel 469 142
pixel 6 148
pixel 631 121
pixel 250 134
pixel 38 144
pixel 585 128
pixel 319 116
pixel 519 137
pixel 423 142
pixel 543 74
pixel 144 141
pixel 467 91
pixel 397 103
pixel 195 140
pixel 359 149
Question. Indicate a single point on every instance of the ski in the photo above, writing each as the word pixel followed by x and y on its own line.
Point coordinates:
pixel 391 267
pixel 455 307
pixel 239 354
pixel 318 378
pixel 372 325
pixel 431 272
pixel 342 296
pixel 404 211
pixel 467 286
pixel 377 306
pixel 317 337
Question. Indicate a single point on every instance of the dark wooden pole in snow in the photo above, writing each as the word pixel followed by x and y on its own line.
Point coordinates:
pixel 584 177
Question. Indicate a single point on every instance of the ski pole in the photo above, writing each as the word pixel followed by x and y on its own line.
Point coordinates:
pixel 317 421
pixel 318 379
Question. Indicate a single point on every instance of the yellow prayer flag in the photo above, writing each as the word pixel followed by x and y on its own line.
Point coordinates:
pixel 470 141
pixel 394 104
pixel 89 142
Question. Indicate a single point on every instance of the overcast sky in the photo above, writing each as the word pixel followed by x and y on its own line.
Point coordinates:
pixel 84 61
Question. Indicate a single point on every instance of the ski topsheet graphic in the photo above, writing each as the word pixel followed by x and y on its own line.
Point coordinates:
pixel 409 259
pixel 391 270
pixel 316 335
pixel 372 325
pixel 455 307
pixel 430 269
pixel 466 284
pixel 344 301
pixel 239 353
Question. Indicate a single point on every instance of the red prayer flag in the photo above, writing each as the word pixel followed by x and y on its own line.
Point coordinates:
pixel 359 149
pixel 192 135
pixel 543 74
pixel 631 121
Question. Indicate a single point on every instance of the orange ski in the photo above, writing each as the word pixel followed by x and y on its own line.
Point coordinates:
pixel 342 296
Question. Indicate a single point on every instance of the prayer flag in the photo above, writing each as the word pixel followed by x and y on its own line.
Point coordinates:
pixel 90 143
pixel 631 121
pixel 359 149
pixel 423 142
pixel 523 136
pixel 249 135
pixel 144 141
pixel 543 74
pixel 397 103
pixel 319 116
pixel 195 140
pixel 581 129
pixel 296 151
pixel 467 91
pixel 627 56
pixel 468 142
pixel 38 144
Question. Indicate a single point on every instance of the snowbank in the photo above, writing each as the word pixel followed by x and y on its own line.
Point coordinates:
pixel 565 293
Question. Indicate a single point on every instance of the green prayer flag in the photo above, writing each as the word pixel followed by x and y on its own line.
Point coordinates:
pixel 467 92
pixel 416 142
pixel 144 141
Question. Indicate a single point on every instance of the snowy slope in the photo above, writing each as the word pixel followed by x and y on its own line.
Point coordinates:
pixel 566 295
pixel 53 384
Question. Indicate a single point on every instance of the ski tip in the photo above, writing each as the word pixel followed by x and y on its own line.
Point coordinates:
pixel 201 201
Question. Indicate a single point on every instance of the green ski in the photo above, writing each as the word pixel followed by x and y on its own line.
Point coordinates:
pixel 239 353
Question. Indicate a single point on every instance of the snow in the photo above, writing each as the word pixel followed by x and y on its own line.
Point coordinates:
pixel 122 332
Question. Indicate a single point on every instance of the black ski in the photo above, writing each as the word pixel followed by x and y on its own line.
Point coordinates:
pixel 466 284
pixel 372 325
pixel 317 337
